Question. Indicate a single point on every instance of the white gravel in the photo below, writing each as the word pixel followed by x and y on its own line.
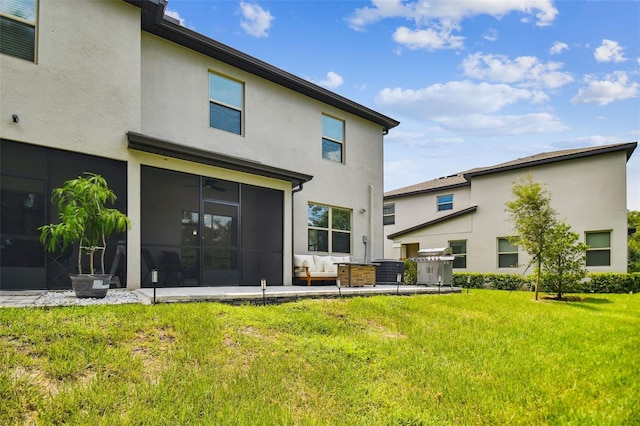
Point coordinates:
pixel 68 298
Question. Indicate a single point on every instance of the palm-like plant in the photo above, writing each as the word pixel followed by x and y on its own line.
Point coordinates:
pixel 84 218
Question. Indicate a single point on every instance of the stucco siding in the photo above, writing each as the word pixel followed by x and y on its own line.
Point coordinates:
pixel 83 93
pixel 281 128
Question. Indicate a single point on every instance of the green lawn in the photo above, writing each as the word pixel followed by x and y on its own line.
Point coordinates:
pixel 488 357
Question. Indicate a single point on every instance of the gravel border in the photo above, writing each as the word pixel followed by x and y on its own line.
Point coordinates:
pixel 68 298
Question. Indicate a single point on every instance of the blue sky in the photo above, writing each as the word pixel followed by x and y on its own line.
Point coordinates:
pixel 474 83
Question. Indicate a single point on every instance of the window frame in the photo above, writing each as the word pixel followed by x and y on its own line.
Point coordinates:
pixel 13 18
pixel 227 105
pixel 507 253
pixel 330 229
pixel 332 139
pixel 440 203
pixel 602 249
pixel 462 255
pixel 388 218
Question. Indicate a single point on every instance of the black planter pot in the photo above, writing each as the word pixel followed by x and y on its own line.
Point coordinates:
pixel 90 285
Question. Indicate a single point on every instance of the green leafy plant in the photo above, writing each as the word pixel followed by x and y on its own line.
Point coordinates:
pixel 84 218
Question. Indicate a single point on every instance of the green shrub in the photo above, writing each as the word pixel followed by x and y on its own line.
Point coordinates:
pixel 410 272
pixel 612 282
pixel 596 282
pixel 492 281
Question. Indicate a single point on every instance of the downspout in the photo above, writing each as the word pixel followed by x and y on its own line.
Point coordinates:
pixel 293 227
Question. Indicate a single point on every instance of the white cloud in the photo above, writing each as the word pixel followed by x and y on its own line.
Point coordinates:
pixel 483 124
pixel 255 20
pixel 427 39
pixel 469 107
pixel 609 51
pixel 491 34
pixel 558 47
pixel 332 80
pixel 419 139
pixel 528 71
pixel 451 98
pixel 614 87
pixel 435 21
pixel 175 15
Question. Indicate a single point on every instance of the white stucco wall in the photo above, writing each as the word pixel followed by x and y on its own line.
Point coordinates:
pixel 83 91
pixel 417 209
pixel 588 193
pixel 282 128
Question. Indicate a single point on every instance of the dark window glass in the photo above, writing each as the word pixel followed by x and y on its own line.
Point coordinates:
pixel 459 250
pixel 318 240
pixel 18 39
pixel 598 257
pixel 341 242
pixel 225 118
pixel 445 202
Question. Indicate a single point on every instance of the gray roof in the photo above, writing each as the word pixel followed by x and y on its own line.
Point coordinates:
pixel 464 178
pixel 155 22
pixel 440 219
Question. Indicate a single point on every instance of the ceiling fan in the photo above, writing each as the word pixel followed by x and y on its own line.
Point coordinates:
pixel 210 183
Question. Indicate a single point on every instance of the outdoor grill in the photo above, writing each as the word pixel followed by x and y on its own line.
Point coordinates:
pixel 435 266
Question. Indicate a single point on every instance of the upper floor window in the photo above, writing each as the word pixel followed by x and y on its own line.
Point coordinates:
pixel 18 28
pixel 332 139
pixel 507 254
pixel 599 251
pixel 329 229
pixel 389 214
pixel 445 202
pixel 226 103
pixel 459 251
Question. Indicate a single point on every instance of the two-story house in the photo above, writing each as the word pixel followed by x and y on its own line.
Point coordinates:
pixel 466 211
pixel 218 158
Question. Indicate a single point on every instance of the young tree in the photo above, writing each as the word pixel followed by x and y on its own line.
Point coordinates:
pixel 563 260
pixel 533 218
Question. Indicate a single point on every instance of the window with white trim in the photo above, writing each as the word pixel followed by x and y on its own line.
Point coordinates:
pixel 18 28
pixel 459 251
pixel 329 229
pixel 389 214
pixel 599 251
pixel 507 254
pixel 226 103
pixel 332 139
pixel 445 202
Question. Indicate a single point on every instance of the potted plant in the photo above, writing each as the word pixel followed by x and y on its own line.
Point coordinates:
pixel 85 219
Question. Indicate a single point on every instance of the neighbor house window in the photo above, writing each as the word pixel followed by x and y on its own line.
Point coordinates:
pixel 329 229
pixel 18 28
pixel 507 254
pixel 445 202
pixel 389 214
pixel 599 251
pixel 332 139
pixel 459 251
pixel 226 103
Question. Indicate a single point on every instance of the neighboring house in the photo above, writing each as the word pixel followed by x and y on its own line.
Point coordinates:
pixel 226 161
pixel 467 212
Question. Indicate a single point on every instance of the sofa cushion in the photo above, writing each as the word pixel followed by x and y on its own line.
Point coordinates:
pixel 300 261
pixel 323 263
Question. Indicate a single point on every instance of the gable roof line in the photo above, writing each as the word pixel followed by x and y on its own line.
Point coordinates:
pixel 574 154
pixel 154 21
pixel 433 222
pixel 463 178
pixel 422 191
